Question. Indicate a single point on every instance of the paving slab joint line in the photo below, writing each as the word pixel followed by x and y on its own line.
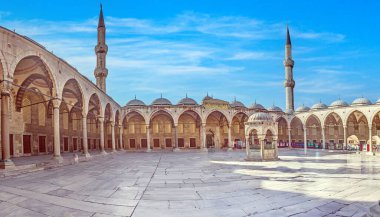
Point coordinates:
pixel 151 177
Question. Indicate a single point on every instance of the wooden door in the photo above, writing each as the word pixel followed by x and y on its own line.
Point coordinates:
pixel 26 144
pixel 156 143
pixel 42 144
pixel 11 144
pixel 192 143
pixel 132 143
pixel 168 142
pixel 109 142
pixel 181 143
pixel 144 143
pixel 65 144
pixel 210 141
pixel 75 144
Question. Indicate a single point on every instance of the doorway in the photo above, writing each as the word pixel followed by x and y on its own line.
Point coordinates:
pixel 26 144
pixel 42 144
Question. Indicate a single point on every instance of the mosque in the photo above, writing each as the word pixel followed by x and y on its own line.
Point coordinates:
pixel 49 108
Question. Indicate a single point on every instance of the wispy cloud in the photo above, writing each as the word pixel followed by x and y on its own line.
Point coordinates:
pixel 191 52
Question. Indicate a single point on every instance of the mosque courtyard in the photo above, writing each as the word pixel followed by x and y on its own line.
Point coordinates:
pixel 198 184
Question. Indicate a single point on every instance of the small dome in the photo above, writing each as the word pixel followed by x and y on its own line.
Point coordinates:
pixel 257 106
pixel 260 116
pixel 135 102
pixel 207 97
pixel 319 105
pixel 237 104
pixel 378 101
pixel 338 103
pixel 274 109
pixel 361 101
pixel 161 102
pixel 302 108
pixel 187 101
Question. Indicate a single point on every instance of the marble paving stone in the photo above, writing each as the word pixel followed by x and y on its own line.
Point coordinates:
pixel 191 184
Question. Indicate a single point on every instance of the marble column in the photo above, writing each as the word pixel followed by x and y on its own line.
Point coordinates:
pixel 370 137
pixel 230 144
pixel 175 128
pixel 101 126
pixel 85 142
pixel 148 149
pixel 304 140
pixel 121 137
pixel 113 136
pixel 6 161
pixel 323 139
pixel 57 139
pixel 247 148
pixel 290 137
pixel 203 132
pixel 344 137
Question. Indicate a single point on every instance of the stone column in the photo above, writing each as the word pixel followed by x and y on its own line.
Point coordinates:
pixel 370 138
pixel 85 143
pixel 148 149
pixel 203 131
pixel 113 136
pixel 6 161
pixel 344 137
pixel 121 137
pixel 304 140
pixel 261 148
pixel 176 137
pixel 57 139
pixel 247 148
pixel 323 139
pixel 290 137
pixel 101 126
pixel 230 145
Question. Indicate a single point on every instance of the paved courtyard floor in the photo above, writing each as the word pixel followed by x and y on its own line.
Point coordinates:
pixel 198 184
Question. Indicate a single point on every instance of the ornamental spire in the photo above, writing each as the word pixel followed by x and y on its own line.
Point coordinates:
pixel 101 18
pixel 288 41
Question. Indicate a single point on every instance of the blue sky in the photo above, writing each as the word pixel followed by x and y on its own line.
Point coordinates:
pixel 226 48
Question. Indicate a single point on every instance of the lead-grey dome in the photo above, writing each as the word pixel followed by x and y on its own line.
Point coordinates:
pixel 187 101
pixel 361 101
pixel 237 104
pixel 274 109
pixel 257 106
pixel 338 103
pixel 319 105
pixel 378 101
pixel 135 102
pixel 161 102
pixel 260 116
pixel 302 108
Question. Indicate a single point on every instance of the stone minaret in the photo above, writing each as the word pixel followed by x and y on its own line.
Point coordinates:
pixel 101 49
pixel 289 83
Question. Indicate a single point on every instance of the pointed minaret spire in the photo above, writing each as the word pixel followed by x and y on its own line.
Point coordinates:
pixel 289 82
pixel 101 18
pixel 101 50
pixel 288 41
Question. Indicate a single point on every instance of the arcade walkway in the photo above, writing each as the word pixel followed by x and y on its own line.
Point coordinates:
pixel 198 184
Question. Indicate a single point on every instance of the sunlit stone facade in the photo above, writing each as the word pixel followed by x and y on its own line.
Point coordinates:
pixel 48 107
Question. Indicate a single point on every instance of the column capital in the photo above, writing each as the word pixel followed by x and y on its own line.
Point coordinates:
pixel 203 124
pixel 101 119
pixel 56 102
pixel 6 88
pixel 112 123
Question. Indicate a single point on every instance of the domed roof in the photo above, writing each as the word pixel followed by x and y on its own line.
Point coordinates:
pixel 237 104
pixel 378 101
pixel 257 106
pixel 187 101
pixel 302 108
pixel 135 102
pixel 319 105
pixel 207 97
pixel 338 103
pixel 260 116
pixel 274 109
pixel 161 102
pixel 361 101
